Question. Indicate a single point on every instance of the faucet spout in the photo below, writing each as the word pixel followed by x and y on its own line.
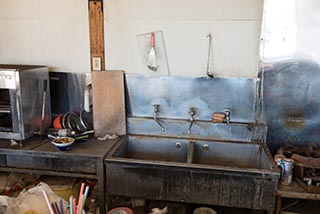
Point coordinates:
pixel 156 110
pixel 158 122
pixel 192 112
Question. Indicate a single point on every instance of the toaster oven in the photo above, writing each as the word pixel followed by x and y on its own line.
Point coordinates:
pixel 24 100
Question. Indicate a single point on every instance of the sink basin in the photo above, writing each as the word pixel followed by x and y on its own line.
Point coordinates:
pixel 239 155
pixel 155 149
pixel 191 152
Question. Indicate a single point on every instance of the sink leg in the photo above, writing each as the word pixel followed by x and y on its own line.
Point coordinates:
pixel 101 183
pixel 191 152
pixel 279 204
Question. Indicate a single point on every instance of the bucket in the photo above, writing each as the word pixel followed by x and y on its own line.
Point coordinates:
pixel 121 210
pixel 288 164
pixel 278 159
pixel 204 210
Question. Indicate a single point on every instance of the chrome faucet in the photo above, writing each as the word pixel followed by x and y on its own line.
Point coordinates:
pixel 156 110
pixel 192 112
pixel 227 113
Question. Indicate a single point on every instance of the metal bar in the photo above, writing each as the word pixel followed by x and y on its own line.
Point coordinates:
pixel 46 172
pixel 5 110
pixel 217 131
pixel 197 166
pixel 196 120
pixel 192 138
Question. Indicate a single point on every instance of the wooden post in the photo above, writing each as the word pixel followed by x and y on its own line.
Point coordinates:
pixel 96 30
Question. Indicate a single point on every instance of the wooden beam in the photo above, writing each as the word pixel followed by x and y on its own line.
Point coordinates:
pixel 96 30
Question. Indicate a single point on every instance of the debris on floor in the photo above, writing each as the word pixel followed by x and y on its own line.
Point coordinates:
pixel 18 181
pixel 3 181
pixel 30 201
pixel 159 211
pixel 63 186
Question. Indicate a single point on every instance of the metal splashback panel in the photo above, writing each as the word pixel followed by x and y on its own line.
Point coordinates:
pixel 290 71
pixel 176 95
pixel 67 91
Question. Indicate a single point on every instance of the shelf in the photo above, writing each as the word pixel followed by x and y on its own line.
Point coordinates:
pixel 294 190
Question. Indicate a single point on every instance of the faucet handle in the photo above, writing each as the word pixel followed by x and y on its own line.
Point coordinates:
pixel 156 108
pixel 227 112
pixel 192 111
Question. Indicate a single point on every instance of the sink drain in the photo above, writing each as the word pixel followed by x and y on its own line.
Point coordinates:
pixel 178 145
pixel 205 147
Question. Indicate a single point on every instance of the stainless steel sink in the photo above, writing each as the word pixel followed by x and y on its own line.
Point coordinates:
pixel 153 149
pixel 173 151
pixel 239 155
pixel 190 152
pixel 234 174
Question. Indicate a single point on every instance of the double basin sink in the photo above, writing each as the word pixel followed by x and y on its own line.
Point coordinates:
pixel 234 174
pixel 155 150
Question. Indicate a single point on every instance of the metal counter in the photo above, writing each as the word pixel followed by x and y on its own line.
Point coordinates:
pixel 39 156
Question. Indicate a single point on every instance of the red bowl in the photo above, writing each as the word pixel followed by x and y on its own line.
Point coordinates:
pixel 57 122
pixel 121 210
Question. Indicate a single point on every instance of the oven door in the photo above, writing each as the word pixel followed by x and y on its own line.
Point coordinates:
pixel 5 111
pixel 11 126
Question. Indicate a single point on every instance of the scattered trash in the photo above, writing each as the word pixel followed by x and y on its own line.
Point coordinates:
pixel 29 201
pixel 64 187
pixel 108 137
pixel 159 211
pixel 17 181
pixel 3 181
pixel 13 143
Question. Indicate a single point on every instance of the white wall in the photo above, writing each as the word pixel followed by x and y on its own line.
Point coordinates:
pixel 234 24
pixel 55 33
pixel 47 32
